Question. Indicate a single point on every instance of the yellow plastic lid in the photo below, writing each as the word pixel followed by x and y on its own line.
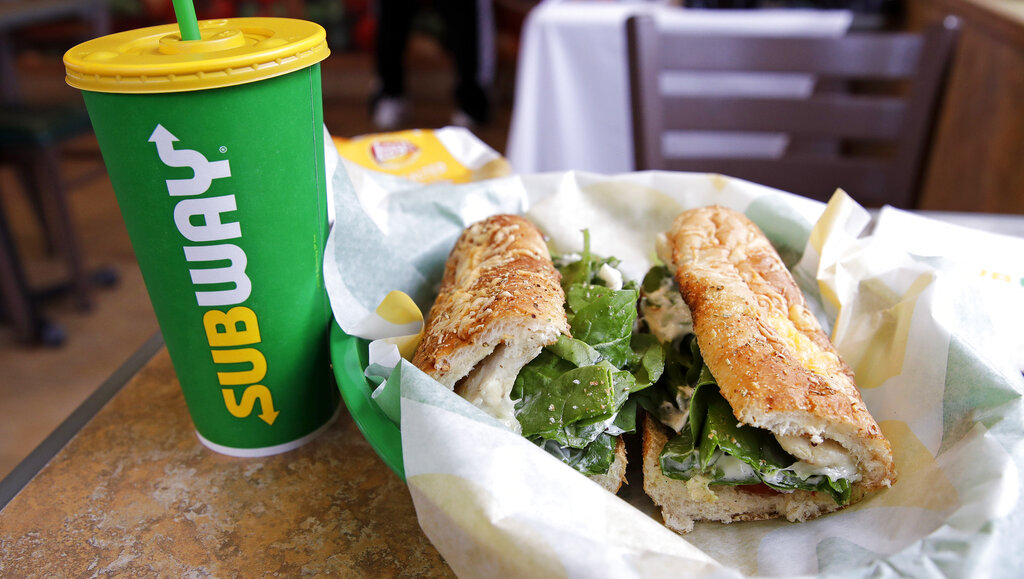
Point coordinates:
pixel 231 52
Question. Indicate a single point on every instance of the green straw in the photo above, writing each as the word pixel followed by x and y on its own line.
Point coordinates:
pixel 185 12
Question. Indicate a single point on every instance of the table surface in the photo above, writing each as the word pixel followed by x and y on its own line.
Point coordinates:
pixel 124 486
pixel 135 493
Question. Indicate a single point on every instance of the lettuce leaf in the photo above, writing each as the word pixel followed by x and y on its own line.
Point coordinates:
pixel 572 399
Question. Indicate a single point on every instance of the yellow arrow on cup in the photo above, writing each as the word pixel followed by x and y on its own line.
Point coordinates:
pixel 248 402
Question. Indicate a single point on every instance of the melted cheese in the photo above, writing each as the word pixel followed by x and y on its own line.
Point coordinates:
pixel 810 355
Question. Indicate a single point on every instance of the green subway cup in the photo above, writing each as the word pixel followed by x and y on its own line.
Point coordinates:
pixel 215 149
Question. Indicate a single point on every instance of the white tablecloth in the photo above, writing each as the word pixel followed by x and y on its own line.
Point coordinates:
pixel 571 109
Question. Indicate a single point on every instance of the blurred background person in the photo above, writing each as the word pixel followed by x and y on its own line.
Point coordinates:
pixel 467 35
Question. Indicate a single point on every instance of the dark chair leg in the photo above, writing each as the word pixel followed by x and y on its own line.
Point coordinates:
pixel 16 301
pixel 55 205
pixel 31 185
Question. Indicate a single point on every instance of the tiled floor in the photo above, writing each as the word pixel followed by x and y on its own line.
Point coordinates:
pixel 40 386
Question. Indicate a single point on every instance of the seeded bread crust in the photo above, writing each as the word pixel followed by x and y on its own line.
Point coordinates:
pixel 773 363
pixel 499 288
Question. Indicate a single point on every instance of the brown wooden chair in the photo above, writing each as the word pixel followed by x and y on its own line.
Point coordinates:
pixel 30 141
pixel 864 128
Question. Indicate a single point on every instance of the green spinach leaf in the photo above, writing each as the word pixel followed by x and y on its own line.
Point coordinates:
pixel 604 319
pixel 714 444
pixel 717 446
pixel 556 394
pixel 595 458
pixel 573 399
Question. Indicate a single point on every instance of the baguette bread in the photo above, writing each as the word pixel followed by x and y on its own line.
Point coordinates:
pixel 500 303
pixel 774 366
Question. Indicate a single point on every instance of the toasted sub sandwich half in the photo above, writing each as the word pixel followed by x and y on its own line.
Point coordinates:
pixel 501 303
pixel 767 420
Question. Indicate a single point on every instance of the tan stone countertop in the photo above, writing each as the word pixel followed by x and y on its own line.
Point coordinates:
pixel 134 494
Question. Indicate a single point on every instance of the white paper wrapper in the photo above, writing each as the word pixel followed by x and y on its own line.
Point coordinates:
pixel 495 505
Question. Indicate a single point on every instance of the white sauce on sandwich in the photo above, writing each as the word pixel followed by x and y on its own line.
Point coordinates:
pixel 670 415
pixel 664 310
pixel 666 313
pixel 826 458
pixel 734 469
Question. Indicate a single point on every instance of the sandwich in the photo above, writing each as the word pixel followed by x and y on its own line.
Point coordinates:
pixel 756 415
pixel 546 348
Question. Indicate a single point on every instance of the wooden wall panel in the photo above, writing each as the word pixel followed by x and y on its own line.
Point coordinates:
pixel 977 159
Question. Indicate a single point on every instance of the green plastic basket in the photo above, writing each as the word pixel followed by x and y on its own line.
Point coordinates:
pixel 349 357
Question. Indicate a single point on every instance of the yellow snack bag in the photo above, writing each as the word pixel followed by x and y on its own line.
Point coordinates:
pixel 450 154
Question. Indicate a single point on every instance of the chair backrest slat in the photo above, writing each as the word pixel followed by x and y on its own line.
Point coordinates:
pixel 814 177
pixel 826 128
pixel 854 56
pixel 843 116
